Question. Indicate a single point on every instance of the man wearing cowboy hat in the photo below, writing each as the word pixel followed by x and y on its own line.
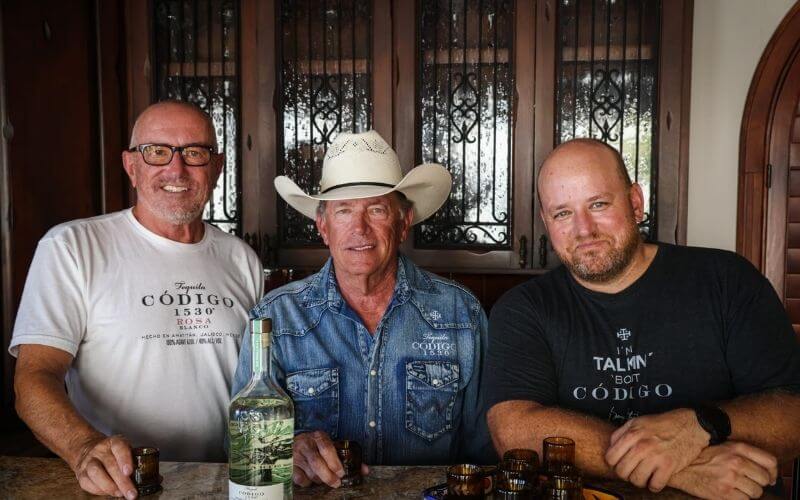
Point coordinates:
pixel 372 348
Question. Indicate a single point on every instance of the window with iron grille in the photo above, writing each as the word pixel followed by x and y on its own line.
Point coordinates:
pixel 607 83
pixel 325 81
pixel 196 55
pixel 465 88
pixel 496 84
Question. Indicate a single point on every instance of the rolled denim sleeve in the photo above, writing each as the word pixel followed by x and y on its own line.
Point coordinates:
pixel 475 444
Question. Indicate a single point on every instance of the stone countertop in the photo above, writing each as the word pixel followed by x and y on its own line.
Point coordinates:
pixel 23 478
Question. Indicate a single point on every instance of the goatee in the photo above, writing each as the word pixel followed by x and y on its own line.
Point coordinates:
pixel 596 267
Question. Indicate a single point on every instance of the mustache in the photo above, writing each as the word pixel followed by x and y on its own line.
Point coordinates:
pixel 594 237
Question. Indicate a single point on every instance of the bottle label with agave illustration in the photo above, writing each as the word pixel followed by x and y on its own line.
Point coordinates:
pixel 261 458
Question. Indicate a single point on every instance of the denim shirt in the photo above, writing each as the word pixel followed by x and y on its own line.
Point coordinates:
pixel 408 394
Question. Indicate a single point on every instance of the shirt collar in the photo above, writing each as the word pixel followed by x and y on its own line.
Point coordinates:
pixel 410 280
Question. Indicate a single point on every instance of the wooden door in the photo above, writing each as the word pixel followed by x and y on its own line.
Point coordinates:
pixel 768 219
pixel 782 248
pixel 61 118
pixel 768 216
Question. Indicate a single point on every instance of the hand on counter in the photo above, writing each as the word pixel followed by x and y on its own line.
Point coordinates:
pixel 647 451
pixel 315 460
pixel 104 467
pixel 731 470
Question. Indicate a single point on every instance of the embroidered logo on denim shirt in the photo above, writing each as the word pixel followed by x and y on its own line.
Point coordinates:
pixel 433 344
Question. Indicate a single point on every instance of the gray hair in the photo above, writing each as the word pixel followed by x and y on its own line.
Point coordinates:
pixel 405 205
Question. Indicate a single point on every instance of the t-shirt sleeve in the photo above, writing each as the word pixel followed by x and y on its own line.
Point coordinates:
pixel 52 310
pixel 762 350
pixel 257 270
pixel 519 363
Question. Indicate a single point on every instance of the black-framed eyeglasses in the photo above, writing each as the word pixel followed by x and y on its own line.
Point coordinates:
pixel 159 155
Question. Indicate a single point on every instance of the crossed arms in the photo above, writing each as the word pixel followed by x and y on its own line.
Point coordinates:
pixel 667 449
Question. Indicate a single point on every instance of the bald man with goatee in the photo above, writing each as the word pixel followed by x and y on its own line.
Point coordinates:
pixel 140 312
pixel 668 365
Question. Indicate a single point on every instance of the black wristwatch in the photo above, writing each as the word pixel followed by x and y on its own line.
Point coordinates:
pixel 714 421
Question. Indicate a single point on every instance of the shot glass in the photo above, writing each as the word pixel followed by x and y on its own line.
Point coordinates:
pixel 516 469
pixel 513 489
pixel 564 482
pixel 557 451
pixel 523 454
pixel 523 462
pixel 465 482
pixel 349 453
pixel 145 470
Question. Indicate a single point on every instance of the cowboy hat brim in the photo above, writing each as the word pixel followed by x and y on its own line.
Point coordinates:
pixel 427 185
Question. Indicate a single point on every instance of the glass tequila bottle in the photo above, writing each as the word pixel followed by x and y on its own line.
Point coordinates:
pixel 261 429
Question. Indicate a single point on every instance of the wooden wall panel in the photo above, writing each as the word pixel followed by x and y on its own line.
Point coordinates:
pixel 62 67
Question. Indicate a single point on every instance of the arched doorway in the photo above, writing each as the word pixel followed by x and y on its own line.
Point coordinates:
pixel 768 222
pixel 768 215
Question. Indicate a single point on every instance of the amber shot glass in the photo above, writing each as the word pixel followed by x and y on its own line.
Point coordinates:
pixel 557 451
pixel 519 462
pixel 513 489
pixel 564 482
pixel 349 453
pixel 145 470
pixel 466 482
pixel 524 455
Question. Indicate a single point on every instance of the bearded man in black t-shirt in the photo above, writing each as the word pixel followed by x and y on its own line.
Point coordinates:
pixel 668 365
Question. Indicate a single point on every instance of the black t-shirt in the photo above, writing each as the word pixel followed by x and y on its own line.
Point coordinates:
pixel 700 325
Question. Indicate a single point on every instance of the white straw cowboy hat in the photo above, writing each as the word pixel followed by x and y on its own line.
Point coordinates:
pixel 363 166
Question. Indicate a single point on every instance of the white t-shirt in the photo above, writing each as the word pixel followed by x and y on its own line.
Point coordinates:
pixel 154 327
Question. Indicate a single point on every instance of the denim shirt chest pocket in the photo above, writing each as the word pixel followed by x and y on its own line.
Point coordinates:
pixel 431 390
pixel 316 399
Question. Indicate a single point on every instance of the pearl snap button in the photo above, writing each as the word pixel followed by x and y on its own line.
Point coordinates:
pixel 311 390
pixel 372 423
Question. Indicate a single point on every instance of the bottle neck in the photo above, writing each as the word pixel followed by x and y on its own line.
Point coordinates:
pixel 261 356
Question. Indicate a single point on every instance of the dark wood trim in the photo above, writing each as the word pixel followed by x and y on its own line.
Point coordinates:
pixel 259 115
pixel 528 58
pixel 111 100
pixel 545 115
pixel 757 119
pixel 6 275
pixel 268 33
pixel 99 94
pixel 673 122
pixel 405 80
pixel 383 68
pixel 404 89
pixel 139 76
pixel 137 33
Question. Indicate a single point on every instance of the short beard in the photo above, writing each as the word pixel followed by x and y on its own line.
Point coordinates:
pixel 613 264
pixel 180 217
